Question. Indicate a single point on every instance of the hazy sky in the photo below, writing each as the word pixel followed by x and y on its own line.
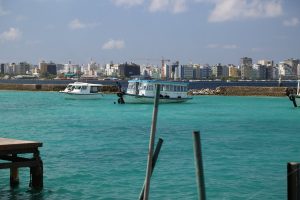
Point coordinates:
pixel 144 31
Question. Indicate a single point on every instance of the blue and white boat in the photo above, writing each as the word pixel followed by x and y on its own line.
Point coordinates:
pixel 143 91
pixel 80 90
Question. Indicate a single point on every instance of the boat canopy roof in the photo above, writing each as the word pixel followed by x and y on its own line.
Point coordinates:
pixel 161 82
pixel 85 84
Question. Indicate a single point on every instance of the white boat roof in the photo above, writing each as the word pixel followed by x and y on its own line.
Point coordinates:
pixel 85 84
pixel 162 82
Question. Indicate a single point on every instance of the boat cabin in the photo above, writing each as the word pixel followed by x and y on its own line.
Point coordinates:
pixel 84 88
pixel 147 88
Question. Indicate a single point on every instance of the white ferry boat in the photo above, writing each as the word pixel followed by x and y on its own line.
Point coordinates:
pixel 143 91
pixel 294 97
pixel 80 90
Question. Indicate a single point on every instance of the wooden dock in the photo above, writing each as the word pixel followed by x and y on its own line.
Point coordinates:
pixel 10 150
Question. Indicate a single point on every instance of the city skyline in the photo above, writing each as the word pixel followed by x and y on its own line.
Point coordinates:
pixel 197 31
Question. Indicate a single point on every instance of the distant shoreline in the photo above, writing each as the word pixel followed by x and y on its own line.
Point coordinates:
pixel 221 90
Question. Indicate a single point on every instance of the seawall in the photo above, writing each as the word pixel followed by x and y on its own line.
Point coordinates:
pixel 252 91
pixel 226 91
pixel 48 87
pixel 242 91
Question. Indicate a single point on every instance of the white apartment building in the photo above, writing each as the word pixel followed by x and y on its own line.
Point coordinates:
pixel 70 68
pixel 112 69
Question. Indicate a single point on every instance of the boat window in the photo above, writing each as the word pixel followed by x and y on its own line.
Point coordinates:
pixel 78 87
pixel 167 88
pixel 141 86
pixel 94 89
pixel 149 87
pixel 131 86
pixel 164 87
pixel 171 87
pixel 84 87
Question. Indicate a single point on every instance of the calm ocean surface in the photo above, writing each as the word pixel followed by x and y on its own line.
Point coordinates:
pixel 96 149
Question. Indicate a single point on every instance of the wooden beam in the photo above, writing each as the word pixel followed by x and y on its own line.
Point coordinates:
pixel 18 164
pixel 15 159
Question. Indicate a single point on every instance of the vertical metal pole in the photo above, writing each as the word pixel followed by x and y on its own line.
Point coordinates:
pixel 293 181
pixel 154 159
pixel 298 87
pixel 151 143
pixel 199 166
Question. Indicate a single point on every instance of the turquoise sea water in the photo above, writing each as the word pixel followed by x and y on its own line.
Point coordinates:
pixel 96 149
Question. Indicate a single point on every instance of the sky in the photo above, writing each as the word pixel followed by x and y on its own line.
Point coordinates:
pixel 146 31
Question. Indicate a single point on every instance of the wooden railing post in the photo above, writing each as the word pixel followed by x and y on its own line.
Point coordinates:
pixel 154 159
pixel 293 181
pixel 199 166
pixel 151 143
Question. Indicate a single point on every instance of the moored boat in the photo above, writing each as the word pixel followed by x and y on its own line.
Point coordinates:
pixel 143 91
pixel 81 90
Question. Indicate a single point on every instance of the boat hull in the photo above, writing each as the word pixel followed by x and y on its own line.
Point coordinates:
pixel 82 96
pixel 137 99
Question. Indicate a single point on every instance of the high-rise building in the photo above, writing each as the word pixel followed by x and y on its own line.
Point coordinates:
pixel 217 71
pixel 288 69
pixel 246 68
pixel 2 68
pixel 127 70
pixel 269 65
pixel 259 72
pixel 233 71
pixel 47 68
pixel 165 72
pixel 205 71
pixel 197 72
pixel 186 72
pixel 246 61
pixel 174 70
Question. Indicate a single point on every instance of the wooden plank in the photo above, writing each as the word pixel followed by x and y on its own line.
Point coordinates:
pixel 13 144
